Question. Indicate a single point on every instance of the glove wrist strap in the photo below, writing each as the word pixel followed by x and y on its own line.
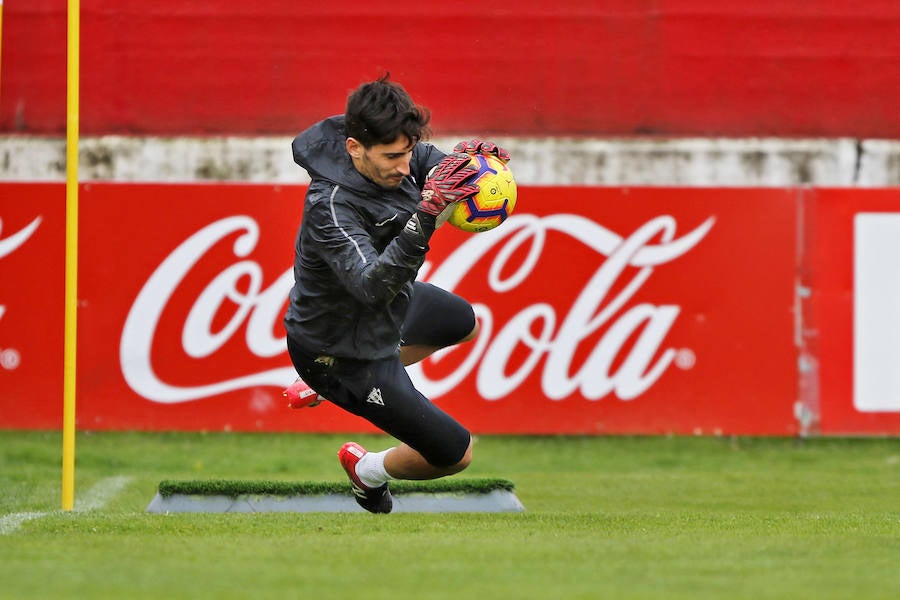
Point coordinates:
pixel 417 231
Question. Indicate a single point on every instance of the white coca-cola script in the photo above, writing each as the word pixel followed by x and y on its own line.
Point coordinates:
pixel 10 244
pixel 559 337
pixel 591 310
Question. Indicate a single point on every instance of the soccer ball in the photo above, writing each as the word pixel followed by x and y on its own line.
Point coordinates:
pixel 495 201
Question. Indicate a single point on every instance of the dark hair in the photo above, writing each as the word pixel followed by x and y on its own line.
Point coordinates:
pixel 380 111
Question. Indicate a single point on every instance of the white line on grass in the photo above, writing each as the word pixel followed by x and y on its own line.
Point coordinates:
pixel 94 499
pixel 9 523
pixel 98 496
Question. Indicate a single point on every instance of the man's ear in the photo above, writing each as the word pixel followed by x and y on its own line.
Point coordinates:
pixel 354 148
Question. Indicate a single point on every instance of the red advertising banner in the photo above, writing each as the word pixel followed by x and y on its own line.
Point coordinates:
pixel 603 310
pixel 641 310
pixel 852 315
pixel 32 294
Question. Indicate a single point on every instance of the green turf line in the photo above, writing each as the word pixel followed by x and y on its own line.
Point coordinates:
pixel 233 488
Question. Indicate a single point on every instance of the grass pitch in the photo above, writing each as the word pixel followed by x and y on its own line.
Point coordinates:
pixel 605 518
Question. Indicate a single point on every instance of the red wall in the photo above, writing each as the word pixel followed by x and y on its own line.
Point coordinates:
pixel 614 67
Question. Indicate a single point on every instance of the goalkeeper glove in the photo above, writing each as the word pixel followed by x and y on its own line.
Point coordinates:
pixel 481 147
pixel 447 183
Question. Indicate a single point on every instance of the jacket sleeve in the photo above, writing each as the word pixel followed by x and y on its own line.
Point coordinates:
pixel 340 238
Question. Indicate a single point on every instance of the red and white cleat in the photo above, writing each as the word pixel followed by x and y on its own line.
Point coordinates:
pixel 375 500
pixel 300 395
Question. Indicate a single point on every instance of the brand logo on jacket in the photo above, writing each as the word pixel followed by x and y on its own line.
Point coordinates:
pixel 386 221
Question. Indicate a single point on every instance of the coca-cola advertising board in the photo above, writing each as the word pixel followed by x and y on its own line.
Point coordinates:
pixel 32 293
pixel 852 314
pixel 602 310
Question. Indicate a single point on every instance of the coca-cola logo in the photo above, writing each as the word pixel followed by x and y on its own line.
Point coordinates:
pixel 14 241
pixel 558 336
pixel 10 357
pixel 257 307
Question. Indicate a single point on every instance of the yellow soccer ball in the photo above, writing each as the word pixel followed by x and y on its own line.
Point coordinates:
pixel 495 201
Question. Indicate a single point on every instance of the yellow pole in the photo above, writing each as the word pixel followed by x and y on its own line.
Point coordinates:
pixel 68 474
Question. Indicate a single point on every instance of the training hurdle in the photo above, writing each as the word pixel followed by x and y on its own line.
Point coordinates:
pixel 235 496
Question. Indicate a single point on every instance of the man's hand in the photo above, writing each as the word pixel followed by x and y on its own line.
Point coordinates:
pixel 447 183
pixel 482 147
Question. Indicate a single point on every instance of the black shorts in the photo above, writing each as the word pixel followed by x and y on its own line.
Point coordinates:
pixel 381 391
pixel 436 317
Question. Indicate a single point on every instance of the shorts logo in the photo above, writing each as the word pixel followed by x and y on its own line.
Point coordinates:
pixel 374 397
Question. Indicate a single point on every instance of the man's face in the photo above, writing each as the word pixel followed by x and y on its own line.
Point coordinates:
pixel 384 164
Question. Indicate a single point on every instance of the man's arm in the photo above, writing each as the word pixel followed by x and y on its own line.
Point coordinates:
pixel 341 239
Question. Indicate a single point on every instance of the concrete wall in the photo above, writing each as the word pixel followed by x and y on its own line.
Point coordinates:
pixel 719 162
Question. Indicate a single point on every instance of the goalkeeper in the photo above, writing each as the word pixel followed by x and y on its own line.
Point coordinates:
pixel 356 315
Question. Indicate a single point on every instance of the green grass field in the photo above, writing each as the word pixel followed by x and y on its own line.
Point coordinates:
pixel 605 518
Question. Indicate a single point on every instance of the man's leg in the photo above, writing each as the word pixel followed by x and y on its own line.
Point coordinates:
pixel 432 443
pixel 436 319
pixel 370 472
pixel 423 334
pixel 412 354
pixel 402 462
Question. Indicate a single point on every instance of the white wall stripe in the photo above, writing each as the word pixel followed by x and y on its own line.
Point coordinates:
pixel 697 162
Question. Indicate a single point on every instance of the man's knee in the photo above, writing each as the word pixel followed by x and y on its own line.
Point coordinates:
pixel 466 459
pixel 472 334
pixel 464 462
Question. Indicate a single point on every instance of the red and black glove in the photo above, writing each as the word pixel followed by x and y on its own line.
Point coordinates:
pixel 447 183
pixel 477 146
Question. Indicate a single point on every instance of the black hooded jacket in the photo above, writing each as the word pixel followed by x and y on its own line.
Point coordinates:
pixel 353 279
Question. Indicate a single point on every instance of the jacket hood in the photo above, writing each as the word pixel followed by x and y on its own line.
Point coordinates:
pixel 322 151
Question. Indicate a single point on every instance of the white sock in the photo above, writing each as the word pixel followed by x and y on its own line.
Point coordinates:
pixel 370 469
